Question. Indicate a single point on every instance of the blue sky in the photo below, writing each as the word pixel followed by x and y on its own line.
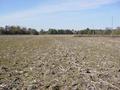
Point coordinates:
pixel 72 14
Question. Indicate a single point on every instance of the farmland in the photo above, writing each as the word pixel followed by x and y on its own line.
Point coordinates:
pixel 59 62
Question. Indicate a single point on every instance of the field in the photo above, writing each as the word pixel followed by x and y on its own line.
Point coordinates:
pixel 59 63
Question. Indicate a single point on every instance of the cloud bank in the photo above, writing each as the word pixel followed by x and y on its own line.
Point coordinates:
pixel 60 6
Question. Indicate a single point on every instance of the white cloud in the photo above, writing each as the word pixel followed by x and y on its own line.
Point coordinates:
pixel 62 5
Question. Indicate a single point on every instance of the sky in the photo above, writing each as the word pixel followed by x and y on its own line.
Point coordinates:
pixel 65 14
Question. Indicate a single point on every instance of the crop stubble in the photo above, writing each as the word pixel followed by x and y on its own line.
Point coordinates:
pixel 59 63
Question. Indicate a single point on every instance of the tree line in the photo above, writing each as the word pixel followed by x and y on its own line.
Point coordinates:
pixel 17 30
pixel 57 31
pixel 107 31
pixel 14 30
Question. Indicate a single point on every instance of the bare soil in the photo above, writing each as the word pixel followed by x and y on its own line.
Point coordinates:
pixel 59 63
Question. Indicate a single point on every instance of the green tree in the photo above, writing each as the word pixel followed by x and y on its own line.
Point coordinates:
pixel 61 31
pixel 42 31
pixel 52 31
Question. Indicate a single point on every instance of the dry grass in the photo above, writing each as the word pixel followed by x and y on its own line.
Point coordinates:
pixel 59 63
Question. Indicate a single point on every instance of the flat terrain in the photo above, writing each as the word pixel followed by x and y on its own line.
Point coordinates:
pixel 59 63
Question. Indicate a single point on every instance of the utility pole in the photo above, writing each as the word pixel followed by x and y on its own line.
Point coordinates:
pixel 112 22
pixel 112 26
pixel 118 21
